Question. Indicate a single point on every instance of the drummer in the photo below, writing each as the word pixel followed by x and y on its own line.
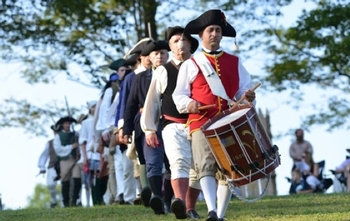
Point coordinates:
pixel 193 90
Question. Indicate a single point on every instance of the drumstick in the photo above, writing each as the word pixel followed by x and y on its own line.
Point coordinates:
pixel 243 97
pixel 206 106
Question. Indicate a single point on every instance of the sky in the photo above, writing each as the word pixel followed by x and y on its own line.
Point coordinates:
pixel 20 150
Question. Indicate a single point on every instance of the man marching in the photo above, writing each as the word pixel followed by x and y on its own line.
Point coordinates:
pixel 177 147
pixel 67 149
pixel 49 154
pixel 195 88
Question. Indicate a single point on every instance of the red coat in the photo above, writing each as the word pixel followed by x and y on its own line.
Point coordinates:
pixel 226 66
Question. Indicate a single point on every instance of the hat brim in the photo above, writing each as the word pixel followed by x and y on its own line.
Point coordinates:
pixel 179 30
pixel 66 119
pixel 155 46
pixel 211 17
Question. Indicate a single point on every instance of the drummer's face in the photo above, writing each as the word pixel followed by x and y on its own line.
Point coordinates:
pixel 211 37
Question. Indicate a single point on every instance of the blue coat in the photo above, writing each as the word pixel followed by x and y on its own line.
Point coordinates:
pixel 136 100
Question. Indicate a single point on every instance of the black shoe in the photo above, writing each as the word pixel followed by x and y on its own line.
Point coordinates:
pixel 167 208
pixel 157 205
pixel 138 201
pixel 53 205
pixel 146 194
pixel 121 199
pixel 192 214
pixel 212 216
pixel 178 208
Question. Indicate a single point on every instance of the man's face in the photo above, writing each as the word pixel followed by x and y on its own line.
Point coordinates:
pixel 121 72
pixel 178 46
pixel 300 135
pixel 92 110
pixel 159 57
pixel 211 37
pixel 145 61
pixel 66 125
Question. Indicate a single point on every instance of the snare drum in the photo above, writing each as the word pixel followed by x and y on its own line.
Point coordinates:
pixel 240 145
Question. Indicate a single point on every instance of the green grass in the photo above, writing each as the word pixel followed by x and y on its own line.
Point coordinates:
pixel 297 207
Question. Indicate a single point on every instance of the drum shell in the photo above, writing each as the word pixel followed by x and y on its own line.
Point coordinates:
pixel 242 148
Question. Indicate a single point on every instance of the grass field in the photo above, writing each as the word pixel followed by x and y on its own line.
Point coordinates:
pixel 297 207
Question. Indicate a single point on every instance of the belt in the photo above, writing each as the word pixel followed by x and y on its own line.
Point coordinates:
pixel 175 119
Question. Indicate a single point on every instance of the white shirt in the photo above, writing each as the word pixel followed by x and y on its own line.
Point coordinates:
pixel 152 108
pixel 188 73
pixel 61 151
pixel 86 134
pixel 44 156
pixel 107 111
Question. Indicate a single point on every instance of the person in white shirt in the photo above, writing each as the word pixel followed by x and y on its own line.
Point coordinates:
pixel 67 148
pixel 194 89
pixel 159 103
pixel 49 155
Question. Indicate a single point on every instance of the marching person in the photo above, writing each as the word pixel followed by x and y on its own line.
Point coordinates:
pixel 67 148
pixel 194 88
pixel 104 126
pixel 123 167
pixel 177 147
pixel 143 64
pixel 153 156
pixel 49 154
pixel 90 159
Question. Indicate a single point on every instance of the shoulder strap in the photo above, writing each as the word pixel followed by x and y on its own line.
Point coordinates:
pixel 211 77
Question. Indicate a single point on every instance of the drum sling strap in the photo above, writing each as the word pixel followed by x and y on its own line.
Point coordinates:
pixel 212 78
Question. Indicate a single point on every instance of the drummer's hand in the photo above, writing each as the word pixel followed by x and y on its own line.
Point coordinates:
pixel 193 107
pixel 152 140
pixel 249 95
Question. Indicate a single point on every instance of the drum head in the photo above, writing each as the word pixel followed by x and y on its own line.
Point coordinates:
pixel 228 119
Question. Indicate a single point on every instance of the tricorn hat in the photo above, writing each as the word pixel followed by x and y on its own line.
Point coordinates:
pixel 211 17
pixel 115 65
pixel 66 119
pixel 177 29
pixel 138 46
pixel 132 60
pixel 154 46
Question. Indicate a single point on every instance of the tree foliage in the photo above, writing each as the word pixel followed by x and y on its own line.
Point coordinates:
pixel 315 51
pixel 52 38
pixel 41 197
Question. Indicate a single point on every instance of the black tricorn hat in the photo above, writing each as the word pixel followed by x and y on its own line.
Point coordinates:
pixel 138 46
pixel 211 17
pixel 176 30
pixel 154 46
pixel 132 60
pixel 55 127
pixel 115 65
pixel 66 119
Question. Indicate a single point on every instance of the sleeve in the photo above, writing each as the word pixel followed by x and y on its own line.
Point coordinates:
pixel 152 108
pixel 182 93
pixel 132 106
pixel 292 152
pixel 44 156
pixel 104 109
pixel 83 133
pixel 124 99
pixel 61 151
pixel 245 81
pixel 117 115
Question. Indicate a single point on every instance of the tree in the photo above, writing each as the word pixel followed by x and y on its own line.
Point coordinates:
pixel 51 37
pixel 41 197
pixel 315 51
